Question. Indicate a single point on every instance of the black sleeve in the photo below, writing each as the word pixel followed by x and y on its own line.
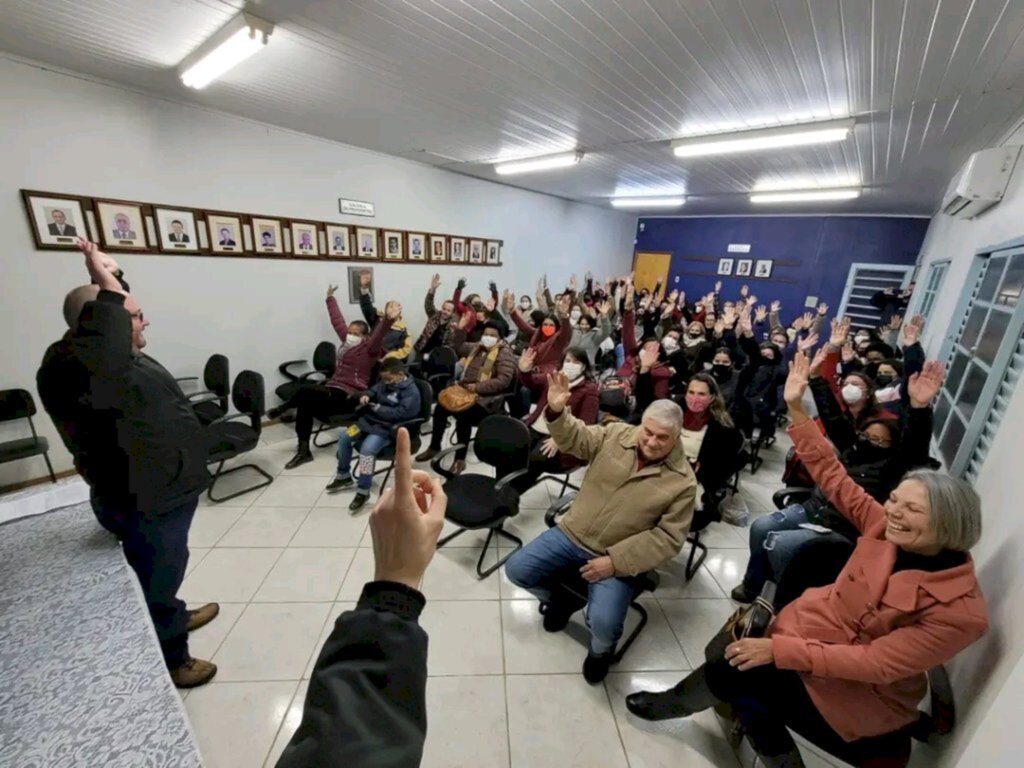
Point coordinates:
pixel 917 437
pixel 838 427
pixel 370 313
pixel 103 344
pixel 751 349
pixel 913 363
pixel 366 704
pixel 644 390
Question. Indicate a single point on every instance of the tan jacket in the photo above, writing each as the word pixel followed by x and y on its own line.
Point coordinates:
pixel 640 519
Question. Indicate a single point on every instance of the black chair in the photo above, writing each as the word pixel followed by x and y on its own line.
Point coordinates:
pixel 413 425
pixel 710 512
pixel 211 403
pixel 576 591
pixel 18 404
pixel 785 497
pixel 562 476
pixel 477 501
pixel 227 438
pixel 438 369
pixel 324 358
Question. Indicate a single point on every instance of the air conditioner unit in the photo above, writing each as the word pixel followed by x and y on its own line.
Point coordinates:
pixel 982 182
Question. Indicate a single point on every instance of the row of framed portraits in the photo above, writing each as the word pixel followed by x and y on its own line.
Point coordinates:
pixel 58 220
pixel 746 267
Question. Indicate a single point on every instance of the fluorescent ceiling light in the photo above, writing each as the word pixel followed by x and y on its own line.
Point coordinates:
pixel 805 195
pixel 232 44
pixel 563 160
pixel 765 138
pixel 647 202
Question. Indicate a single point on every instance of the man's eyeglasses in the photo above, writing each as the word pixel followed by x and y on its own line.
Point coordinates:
pixel 138 315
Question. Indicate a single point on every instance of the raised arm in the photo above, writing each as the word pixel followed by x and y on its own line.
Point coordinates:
pixel 334 312
pixel 428 303
pixel 375 344
pixel 570 434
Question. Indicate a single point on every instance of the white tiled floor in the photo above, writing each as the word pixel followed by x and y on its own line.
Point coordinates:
pixel 286 560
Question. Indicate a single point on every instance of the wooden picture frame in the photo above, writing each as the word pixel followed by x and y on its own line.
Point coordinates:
pixel 476 252
pixel 304 238
pixel 267 235
pixel 367 243
pixel 438 249
pixel 60 233
pixel 457 249
pixel 417 246
pixel 225 232
pixel 177 229
pixel 338 240
pixel 392 245
pixel 122 225
pixel 492 253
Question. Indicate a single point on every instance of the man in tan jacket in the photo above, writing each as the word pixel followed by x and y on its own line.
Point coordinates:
pixel 632 514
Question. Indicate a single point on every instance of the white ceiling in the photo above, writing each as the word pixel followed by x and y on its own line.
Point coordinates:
pixel 460 83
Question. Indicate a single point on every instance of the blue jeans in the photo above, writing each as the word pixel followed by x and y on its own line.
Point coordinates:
pixel 369 446
pixel 774 539
pixel 608 600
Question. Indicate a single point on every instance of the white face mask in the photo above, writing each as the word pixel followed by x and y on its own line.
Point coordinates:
pixel 488 341
pixel 670 344
pixel 575 315
pixel 352 341
pixel 852 394
pixel 573 370
pixel 525 304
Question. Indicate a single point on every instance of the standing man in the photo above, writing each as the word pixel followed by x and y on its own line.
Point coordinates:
pixel 138 444
pixel 632 514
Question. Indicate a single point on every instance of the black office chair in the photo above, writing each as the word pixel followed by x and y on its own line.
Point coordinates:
pixel 228 438
pixel 413 426
pixel 211 403
pixel 438 369
pixel 562 476
pixel 18 404
pixel 710 512
pixel 478 501
pixel 576 590
pixel 324 358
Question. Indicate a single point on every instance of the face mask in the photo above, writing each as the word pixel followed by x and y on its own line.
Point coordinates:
pixel 488 341
pixel 884 380
pixel 696 333
pixel 852 394
pixel 575 316
pixel 669 344
pixel 547 331
pixel 573 370
pixel 697 403
pixel 860 338
pixel 525 304
pixel 865 452
pixel 720 371
pixel 353 341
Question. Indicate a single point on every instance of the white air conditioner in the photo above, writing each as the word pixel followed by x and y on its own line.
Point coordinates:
pixel 982 182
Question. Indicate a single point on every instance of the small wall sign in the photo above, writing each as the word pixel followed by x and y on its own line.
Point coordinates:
pixel 356 207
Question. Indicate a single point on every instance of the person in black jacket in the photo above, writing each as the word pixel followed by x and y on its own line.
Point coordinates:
pixel 138 444
pixel 397 342
pixel 758 385
pixel 366 703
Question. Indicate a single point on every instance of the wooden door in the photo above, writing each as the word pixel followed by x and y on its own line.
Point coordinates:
pixel 649 267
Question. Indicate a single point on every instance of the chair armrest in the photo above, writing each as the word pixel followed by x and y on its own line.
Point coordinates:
pixel 786 496
pixel 283 368
pixel 229 417
pixel 309 375
pixel 187 378
pixel 209 397
pixel 410 423
pixel 201 393
pixel 435 464
pixel 558 507
pixel 504 482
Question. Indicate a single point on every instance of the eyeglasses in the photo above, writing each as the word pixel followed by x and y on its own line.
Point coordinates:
pixel 138 315
pixel 880 442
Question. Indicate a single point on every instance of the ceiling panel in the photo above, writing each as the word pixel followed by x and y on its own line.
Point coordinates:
pixel 461 83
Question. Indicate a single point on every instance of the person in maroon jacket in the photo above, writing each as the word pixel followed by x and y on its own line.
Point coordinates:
pixel 548 343
pixel 648 357
pixel 357 354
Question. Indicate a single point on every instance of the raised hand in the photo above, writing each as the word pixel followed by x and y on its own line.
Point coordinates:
pixel 558 391
pixel 805 344
pixel 330 290
pixel 526 360
pixel 604 307
pixel 808 319
pixel 562 307
pixel 818 361
pixel 630 295
pixel 648 358
pixel 729 316
pixel 895 322
pixel 572 283
pixel 673 296
pixel 761 314
pixel 745 325
pixel 776 306
pixel 912 330
pixel 719 328
pixel 464 320
pixel 751 301
pixel 393 310
pixel 102 268
pixel 508 301
pixel 364 279
pixel 682 299
pixel 796 382
pixel 840 331
pixel 462 283
pixel 493 286
pixel 924 386
pixel 848 354
pixel 435 281
pixel 490 305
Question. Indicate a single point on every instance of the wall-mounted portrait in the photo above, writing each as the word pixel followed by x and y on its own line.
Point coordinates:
pixel 763 268
pixel 438 248
pixel 355 275
pixel 267 235
pixel 476 251
pixel 392 241
pixel 366 243
pixel 57 221
pixel 121 225
pixel 458 249
pixel 339 240
pixel 305 240
pixel 725 266
pixel 225 233
pixel 493 252
pixel 176 230
pixel 417 246
pixel 743 267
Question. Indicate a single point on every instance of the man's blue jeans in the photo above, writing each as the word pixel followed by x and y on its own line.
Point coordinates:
pixel 533 566
pixel 369 446
pixel 774 540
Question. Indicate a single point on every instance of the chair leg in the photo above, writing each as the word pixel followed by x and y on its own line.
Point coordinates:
pixel 483 553
pixel 220 473
pixel 316 434
pixel 695 545
pixel 623 647
pixel 387 476
pixel 49 466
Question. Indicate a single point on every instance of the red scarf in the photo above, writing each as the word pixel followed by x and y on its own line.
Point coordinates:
pixel 695 422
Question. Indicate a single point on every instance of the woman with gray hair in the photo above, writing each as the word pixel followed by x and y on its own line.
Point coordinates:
pixel 844 665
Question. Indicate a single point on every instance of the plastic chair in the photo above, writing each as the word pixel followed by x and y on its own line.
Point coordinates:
pixel 228 438
pixel 18 404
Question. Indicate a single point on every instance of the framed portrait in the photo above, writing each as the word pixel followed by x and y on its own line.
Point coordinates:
pixel 305 238
pixel 476 251
pixel 725 266
pixel 121 224
pixel 743 267
pixel 763 268
pixel 57 220
pixel 458 249
pixel 225 230
pixel 418 246
pixel 176 230
pixel 493 252
pixel 355 282
pixel 267 235
pixel 438 248
pixel 392 243
pixel 339 240
pixel 366 243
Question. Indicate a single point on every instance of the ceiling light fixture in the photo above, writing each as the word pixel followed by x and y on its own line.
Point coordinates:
pixel 647 202
pixel 232 44
pixel 805 195
pixel 562 160
pixel 764 138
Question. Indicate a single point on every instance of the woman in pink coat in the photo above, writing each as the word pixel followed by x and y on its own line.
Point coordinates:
pixel 845 665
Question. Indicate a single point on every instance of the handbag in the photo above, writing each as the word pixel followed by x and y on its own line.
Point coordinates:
pixel 456 398
pixel 746 621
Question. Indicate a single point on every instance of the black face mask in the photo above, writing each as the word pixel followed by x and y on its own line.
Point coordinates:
pixel 721 372
pixel 884 380
pixel 865 452
pixel 871 369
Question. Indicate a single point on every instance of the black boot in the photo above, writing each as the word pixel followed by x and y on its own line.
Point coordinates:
pixel 596 666
pixel 556 615
pixel 743 595
pixel 302 456
pixel 688 697
pixel 790 759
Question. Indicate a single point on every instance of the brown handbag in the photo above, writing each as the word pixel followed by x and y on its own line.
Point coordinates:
pixel 747 621
pixel 456 398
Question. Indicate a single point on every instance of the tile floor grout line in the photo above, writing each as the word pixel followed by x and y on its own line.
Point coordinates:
pixel 504 674
pixel 277 733
pixel 618 730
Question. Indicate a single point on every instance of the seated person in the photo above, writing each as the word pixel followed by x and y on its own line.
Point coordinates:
pixel 588 334
pixel 548 342
pixel 632 514
pixel 441 325
pixel 397 342
pixel 583 404
pixel 488 370
pixel 392 400
pixel 840 666
pixel 358 353
pixel 757 389
pixel 723 369
pixel 648 356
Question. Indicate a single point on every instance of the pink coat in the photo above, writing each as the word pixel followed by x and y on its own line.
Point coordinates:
pixel 864 644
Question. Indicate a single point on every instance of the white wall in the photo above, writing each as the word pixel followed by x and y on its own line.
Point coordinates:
pixel 66 134
pixel 983 670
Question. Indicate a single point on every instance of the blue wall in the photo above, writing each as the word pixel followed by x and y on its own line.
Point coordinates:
pixel 821 249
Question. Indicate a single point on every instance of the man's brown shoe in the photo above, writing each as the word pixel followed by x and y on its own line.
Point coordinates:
pixel 193 673
pixel 202 616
